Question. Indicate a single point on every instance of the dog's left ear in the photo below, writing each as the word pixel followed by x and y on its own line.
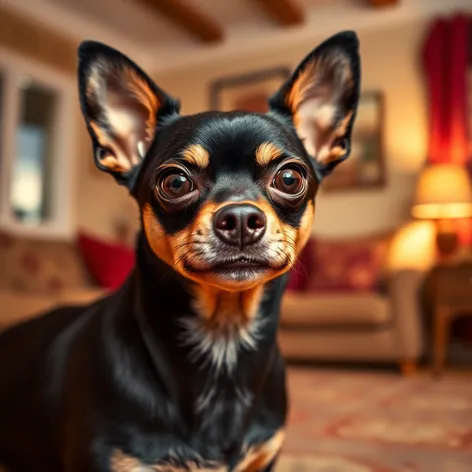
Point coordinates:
pixel 122 107
pixel 321 99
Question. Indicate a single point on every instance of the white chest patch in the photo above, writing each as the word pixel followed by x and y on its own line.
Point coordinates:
pixel 218 345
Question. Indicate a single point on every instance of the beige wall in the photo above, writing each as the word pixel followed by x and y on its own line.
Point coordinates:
pixel 390 63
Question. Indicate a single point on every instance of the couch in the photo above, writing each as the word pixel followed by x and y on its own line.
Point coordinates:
pixel 36 275
pixel 341 304
pixel 356 311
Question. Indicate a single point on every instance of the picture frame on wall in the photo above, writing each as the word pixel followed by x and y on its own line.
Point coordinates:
pixel 365 168
pixel 247 92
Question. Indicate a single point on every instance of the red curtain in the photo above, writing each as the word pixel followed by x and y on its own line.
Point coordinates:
pixel 447 57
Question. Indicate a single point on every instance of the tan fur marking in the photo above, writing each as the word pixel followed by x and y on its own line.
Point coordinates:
pixel 121 462
pixel 301 86
pixel 262 455
pixel 250 301
pixel 285 241
pixel 116 159
pixel 232 299
pixel 146 96
pixel 327 152
pixel 266 153
pixel 217 305
pixel 156 236
pixel 203 223
pixel 306 225
pixel 342 127
pixel 229 302
pixel 197 155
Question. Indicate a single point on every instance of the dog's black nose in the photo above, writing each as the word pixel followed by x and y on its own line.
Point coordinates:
pixel 239 225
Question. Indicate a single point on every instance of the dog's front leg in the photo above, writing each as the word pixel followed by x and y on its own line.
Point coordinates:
pixel 262 457
pixel 86 462
pixel 271 467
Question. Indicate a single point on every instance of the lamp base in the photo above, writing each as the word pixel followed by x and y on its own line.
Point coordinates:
pixel 447 241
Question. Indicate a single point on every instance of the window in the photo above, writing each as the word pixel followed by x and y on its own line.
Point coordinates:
pixel 37 119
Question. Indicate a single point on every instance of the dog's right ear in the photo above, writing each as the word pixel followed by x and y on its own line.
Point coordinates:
pixel 321 99
pixel 122 108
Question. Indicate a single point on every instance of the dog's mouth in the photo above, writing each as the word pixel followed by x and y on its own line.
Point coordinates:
pixel 230 267
pixel 242 263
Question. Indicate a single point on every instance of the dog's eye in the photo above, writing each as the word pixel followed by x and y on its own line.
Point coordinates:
pixel 174 186
pixel 289 181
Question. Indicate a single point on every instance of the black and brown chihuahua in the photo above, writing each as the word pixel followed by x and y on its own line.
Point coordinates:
pixel 179 370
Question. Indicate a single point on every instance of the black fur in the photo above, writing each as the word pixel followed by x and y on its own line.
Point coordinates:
pixel 82 382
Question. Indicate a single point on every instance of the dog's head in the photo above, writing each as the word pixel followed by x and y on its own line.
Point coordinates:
pixel 226 198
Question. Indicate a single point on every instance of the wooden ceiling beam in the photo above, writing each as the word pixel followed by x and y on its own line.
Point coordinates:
pixel 188 18
pixel 284 12
pixel 383 3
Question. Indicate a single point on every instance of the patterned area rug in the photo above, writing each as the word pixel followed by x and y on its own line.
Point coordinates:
pixel 378 422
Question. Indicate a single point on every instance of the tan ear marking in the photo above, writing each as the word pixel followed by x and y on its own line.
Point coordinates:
pixel 266 153
pixel 146 96
pixel 197 155
pixel 342 127
pixel 301 86
pixel 116 160
pixel 327 152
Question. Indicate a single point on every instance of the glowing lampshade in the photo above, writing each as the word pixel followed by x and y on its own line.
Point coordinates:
pixel 444 191
pixel 413 247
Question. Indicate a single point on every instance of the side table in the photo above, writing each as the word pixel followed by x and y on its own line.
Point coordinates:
pixel 452 298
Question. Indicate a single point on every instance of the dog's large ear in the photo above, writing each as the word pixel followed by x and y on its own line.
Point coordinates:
pixel 122 108
pixel 321 99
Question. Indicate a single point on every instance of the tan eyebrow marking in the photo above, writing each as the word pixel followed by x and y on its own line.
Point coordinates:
pixel 197 155
pixel 267 152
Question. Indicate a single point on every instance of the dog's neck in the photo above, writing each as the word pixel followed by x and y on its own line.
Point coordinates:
pixel 211 325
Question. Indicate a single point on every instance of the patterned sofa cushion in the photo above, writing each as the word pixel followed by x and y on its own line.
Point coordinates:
pixel 348 265
pixel 40 266
pixel 300 273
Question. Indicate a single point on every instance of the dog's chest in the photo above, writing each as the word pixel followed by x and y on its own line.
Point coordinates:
pixel 219 416
pixel 169 468
pixel 121 462
pixel 256 456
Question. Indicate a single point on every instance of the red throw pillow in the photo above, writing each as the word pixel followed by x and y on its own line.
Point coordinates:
pixel 352 265
pixel 295 281
pixel 300 273
pixel 109 263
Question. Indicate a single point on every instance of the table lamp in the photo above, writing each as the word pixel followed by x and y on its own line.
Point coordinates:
pixel 413 247
pixel 443 193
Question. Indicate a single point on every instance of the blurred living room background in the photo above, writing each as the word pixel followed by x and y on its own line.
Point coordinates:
pixel 377 319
